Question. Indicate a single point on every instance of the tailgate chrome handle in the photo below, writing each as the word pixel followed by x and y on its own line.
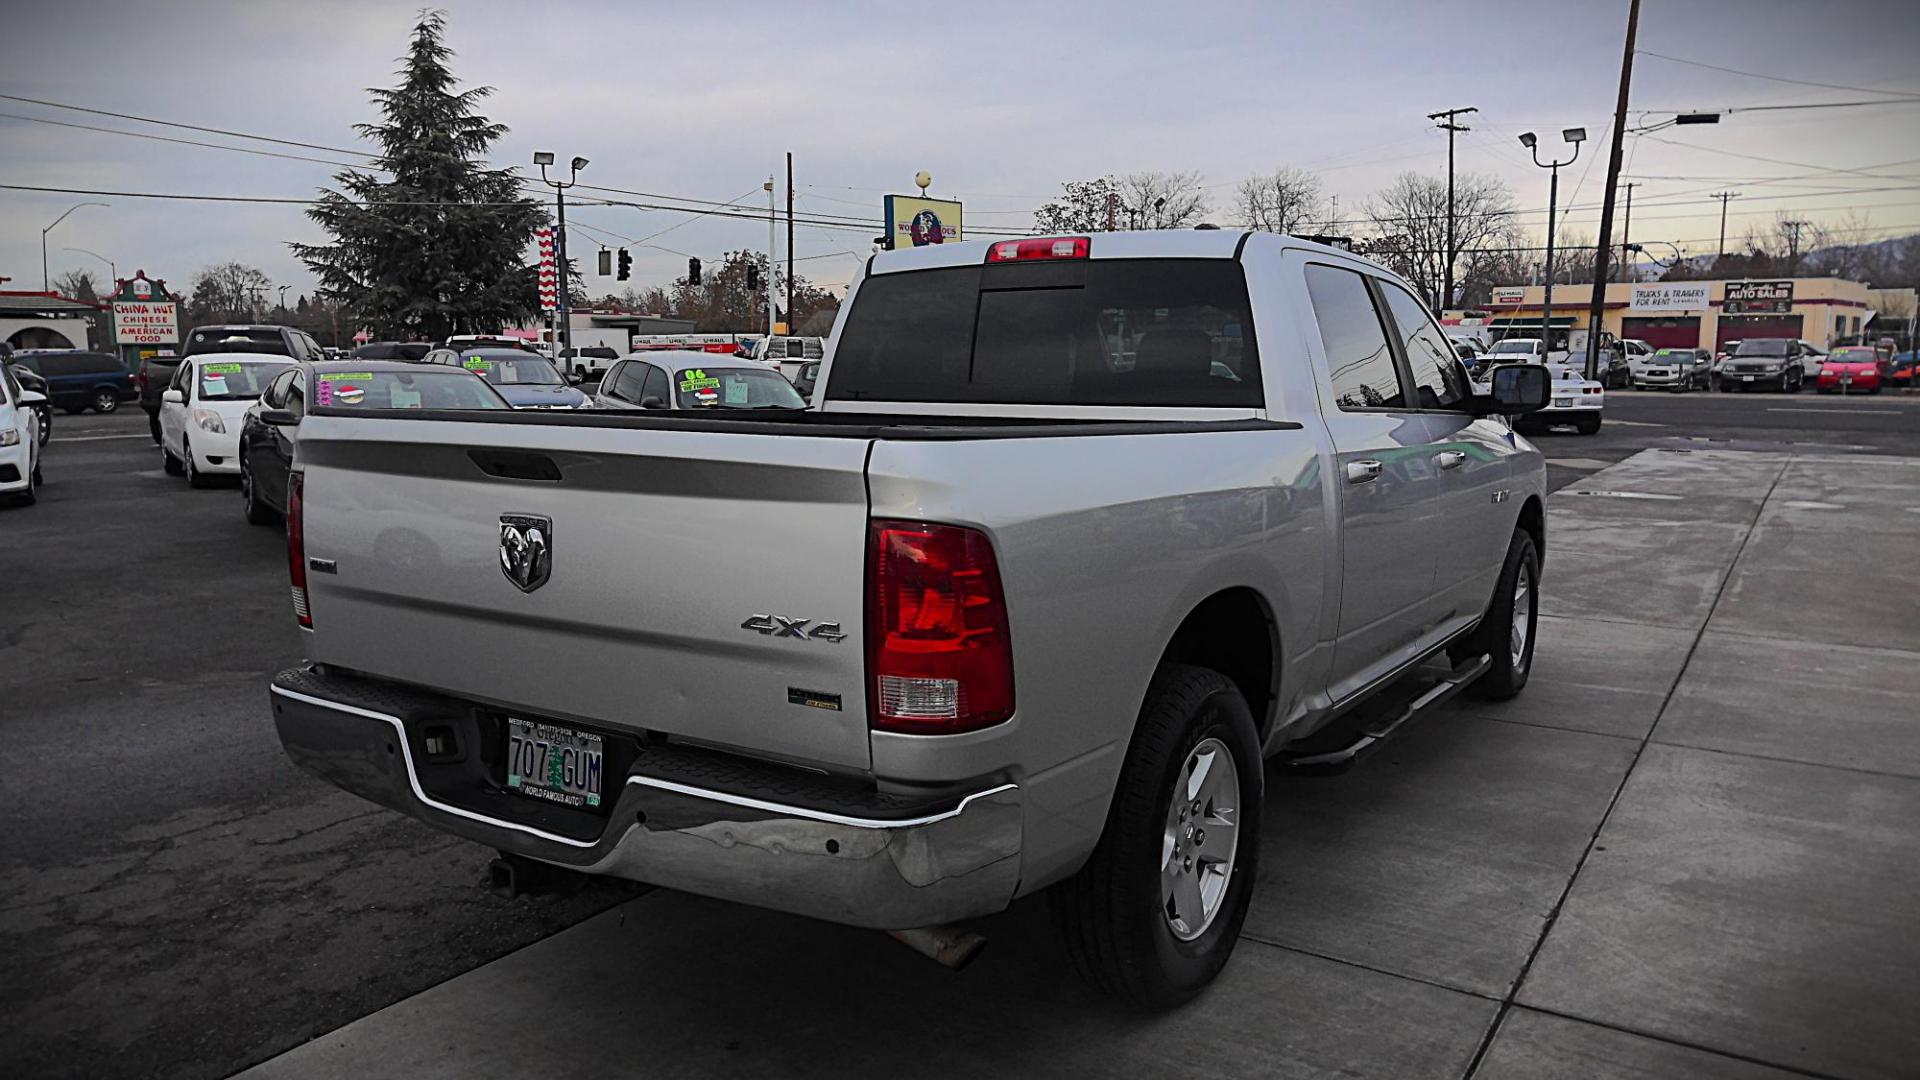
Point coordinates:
pixel 1451 459
pixel 1363 472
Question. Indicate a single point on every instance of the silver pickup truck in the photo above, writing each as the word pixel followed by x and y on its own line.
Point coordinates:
pixel 1079 532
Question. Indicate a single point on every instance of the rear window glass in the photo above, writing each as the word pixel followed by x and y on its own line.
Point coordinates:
pixel 424 389
pixel 1855 355
pixel 1116 332
pixel 734 388
pixel 235 339
pixel 234 380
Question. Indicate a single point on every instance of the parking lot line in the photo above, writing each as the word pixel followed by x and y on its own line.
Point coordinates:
pixel 102 438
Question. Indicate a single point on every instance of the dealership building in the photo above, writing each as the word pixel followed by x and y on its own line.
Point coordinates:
pixel 1703 314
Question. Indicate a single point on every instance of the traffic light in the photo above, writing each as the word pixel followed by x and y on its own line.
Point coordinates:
pixel 753 278
pixel 606 262
pixel 626 265
pixel 693 271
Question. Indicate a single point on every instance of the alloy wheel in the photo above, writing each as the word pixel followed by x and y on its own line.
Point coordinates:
pixel 1201 839
pixel 1522 617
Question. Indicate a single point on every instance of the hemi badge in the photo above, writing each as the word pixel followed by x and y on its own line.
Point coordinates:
pixel 323 566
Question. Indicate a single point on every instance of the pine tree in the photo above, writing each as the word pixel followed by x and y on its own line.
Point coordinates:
pixel 438 247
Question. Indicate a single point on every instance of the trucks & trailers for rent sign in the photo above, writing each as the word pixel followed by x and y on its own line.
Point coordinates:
pixel 145 322
pixel 1688 297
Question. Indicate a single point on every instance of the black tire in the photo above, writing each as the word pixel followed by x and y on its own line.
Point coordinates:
pixel 195 478
pixel 106 401
pixel 1587 426
pixel 258 513
pixel 1112 914
pixel 46 424
pixel 169 464
pixel 1494 636
pixel 153 427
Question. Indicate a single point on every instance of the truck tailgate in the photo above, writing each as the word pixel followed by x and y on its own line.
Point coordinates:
pixel 662 543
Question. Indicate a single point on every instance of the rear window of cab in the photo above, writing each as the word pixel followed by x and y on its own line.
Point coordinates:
pixel 427 388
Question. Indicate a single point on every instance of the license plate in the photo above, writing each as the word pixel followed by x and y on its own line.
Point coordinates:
pixel 1746 378
pixel 1563 403
pixel 554 763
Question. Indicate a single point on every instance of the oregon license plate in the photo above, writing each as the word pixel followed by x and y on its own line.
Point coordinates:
pixel 554 763
pixel 1746 378
pixel 1563 403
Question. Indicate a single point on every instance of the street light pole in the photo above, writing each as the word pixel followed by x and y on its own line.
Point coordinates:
pixel 543 159
pixel 1723 196
pixel 1574 136
pixel 1446 291
pixel 46 279
pixel 772 235
pixel 1626 227
pixel 111 271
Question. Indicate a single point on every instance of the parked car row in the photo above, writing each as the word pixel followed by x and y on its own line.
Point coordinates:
pixel 20 438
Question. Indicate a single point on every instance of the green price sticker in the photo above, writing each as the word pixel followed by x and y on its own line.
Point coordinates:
pixel 478 363
pixel 221 369
pixel 345 376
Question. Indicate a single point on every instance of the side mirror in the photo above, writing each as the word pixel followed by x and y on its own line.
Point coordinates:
pixel 173 397
pixel 652 401
pixel 1519 388
pixel 279 418
pixel 32 397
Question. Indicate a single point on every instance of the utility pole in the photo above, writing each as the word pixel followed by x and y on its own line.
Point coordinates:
pixel 1793 245
pixel 1447 125
pixel 1597 306
pixel 1626 226
pixel 1723 196
pixel 1113 206
pixel 790 327
pixel 772 238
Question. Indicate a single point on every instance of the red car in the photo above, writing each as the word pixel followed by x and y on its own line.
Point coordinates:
pixel 1853 368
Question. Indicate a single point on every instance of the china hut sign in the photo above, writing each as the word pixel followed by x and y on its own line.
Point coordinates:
pixel 144 313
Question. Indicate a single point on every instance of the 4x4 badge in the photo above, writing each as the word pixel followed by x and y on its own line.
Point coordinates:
pixel 526 550
pixel 782 626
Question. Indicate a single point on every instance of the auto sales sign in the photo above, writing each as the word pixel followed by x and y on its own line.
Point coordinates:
pixel 1677 297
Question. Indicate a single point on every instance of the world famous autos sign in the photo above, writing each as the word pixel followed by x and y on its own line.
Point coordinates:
pixel 916 222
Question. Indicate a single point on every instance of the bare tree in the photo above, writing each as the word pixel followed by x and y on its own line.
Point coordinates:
pixel 1287 200
pixel 1409 217
pixel 1162 200
pixel 229 292
pixel 1084 206
pixel 78 284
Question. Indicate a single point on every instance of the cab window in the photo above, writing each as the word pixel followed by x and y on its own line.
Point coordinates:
pixel 1438 381
pixel 1359 362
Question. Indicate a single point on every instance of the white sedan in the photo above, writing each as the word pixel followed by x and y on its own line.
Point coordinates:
pixel 19 440
pixel 202 409
pixel 1576 400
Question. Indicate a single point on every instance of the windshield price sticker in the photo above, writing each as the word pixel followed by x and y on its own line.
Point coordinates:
pixel 737 391
pixel 346 376
pixel 697 379
pixel 223 369
pixel 213 384
pixel 478 363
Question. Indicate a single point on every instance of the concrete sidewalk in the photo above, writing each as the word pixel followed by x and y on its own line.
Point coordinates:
pixel 1691 848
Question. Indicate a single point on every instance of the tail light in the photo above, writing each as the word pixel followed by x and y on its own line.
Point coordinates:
pixel 141 378
pixel 297 546
pixel 1049 247
pixel 939 660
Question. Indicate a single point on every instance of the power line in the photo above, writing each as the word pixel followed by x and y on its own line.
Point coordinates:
pixel 182 142
pixel 1770 78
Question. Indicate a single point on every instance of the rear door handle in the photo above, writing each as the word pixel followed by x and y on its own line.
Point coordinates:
pixel 1451 459
pixel 1363 472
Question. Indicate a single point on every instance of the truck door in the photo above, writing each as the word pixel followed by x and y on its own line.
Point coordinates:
pixel 1471 455
pixel 1390 485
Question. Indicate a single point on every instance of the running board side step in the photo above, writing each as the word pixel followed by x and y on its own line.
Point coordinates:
pixel 1336 747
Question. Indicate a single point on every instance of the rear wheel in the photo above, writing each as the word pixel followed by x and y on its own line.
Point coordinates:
pixel 1157 910
pixel 106 401
pixel 258 513
pixel 153 427
pixel 1587 425
pixel 168 463
pixel 1506 633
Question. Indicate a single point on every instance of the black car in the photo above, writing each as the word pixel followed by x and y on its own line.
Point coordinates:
pixel 24 375
pixel 411 352
pixel 808 375
pixel 78 380
pixel 272 425
pixel 1760 362
pixel 156 372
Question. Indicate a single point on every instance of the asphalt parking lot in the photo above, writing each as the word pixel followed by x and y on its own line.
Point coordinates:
pixel 1692 847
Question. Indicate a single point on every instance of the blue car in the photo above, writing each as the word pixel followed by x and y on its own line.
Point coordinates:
pixel 78 380
pixel 527 380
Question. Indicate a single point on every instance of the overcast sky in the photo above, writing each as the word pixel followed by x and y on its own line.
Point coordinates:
pixel 1000 102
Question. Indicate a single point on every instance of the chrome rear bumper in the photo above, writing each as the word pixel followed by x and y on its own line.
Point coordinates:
pixel 794 844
